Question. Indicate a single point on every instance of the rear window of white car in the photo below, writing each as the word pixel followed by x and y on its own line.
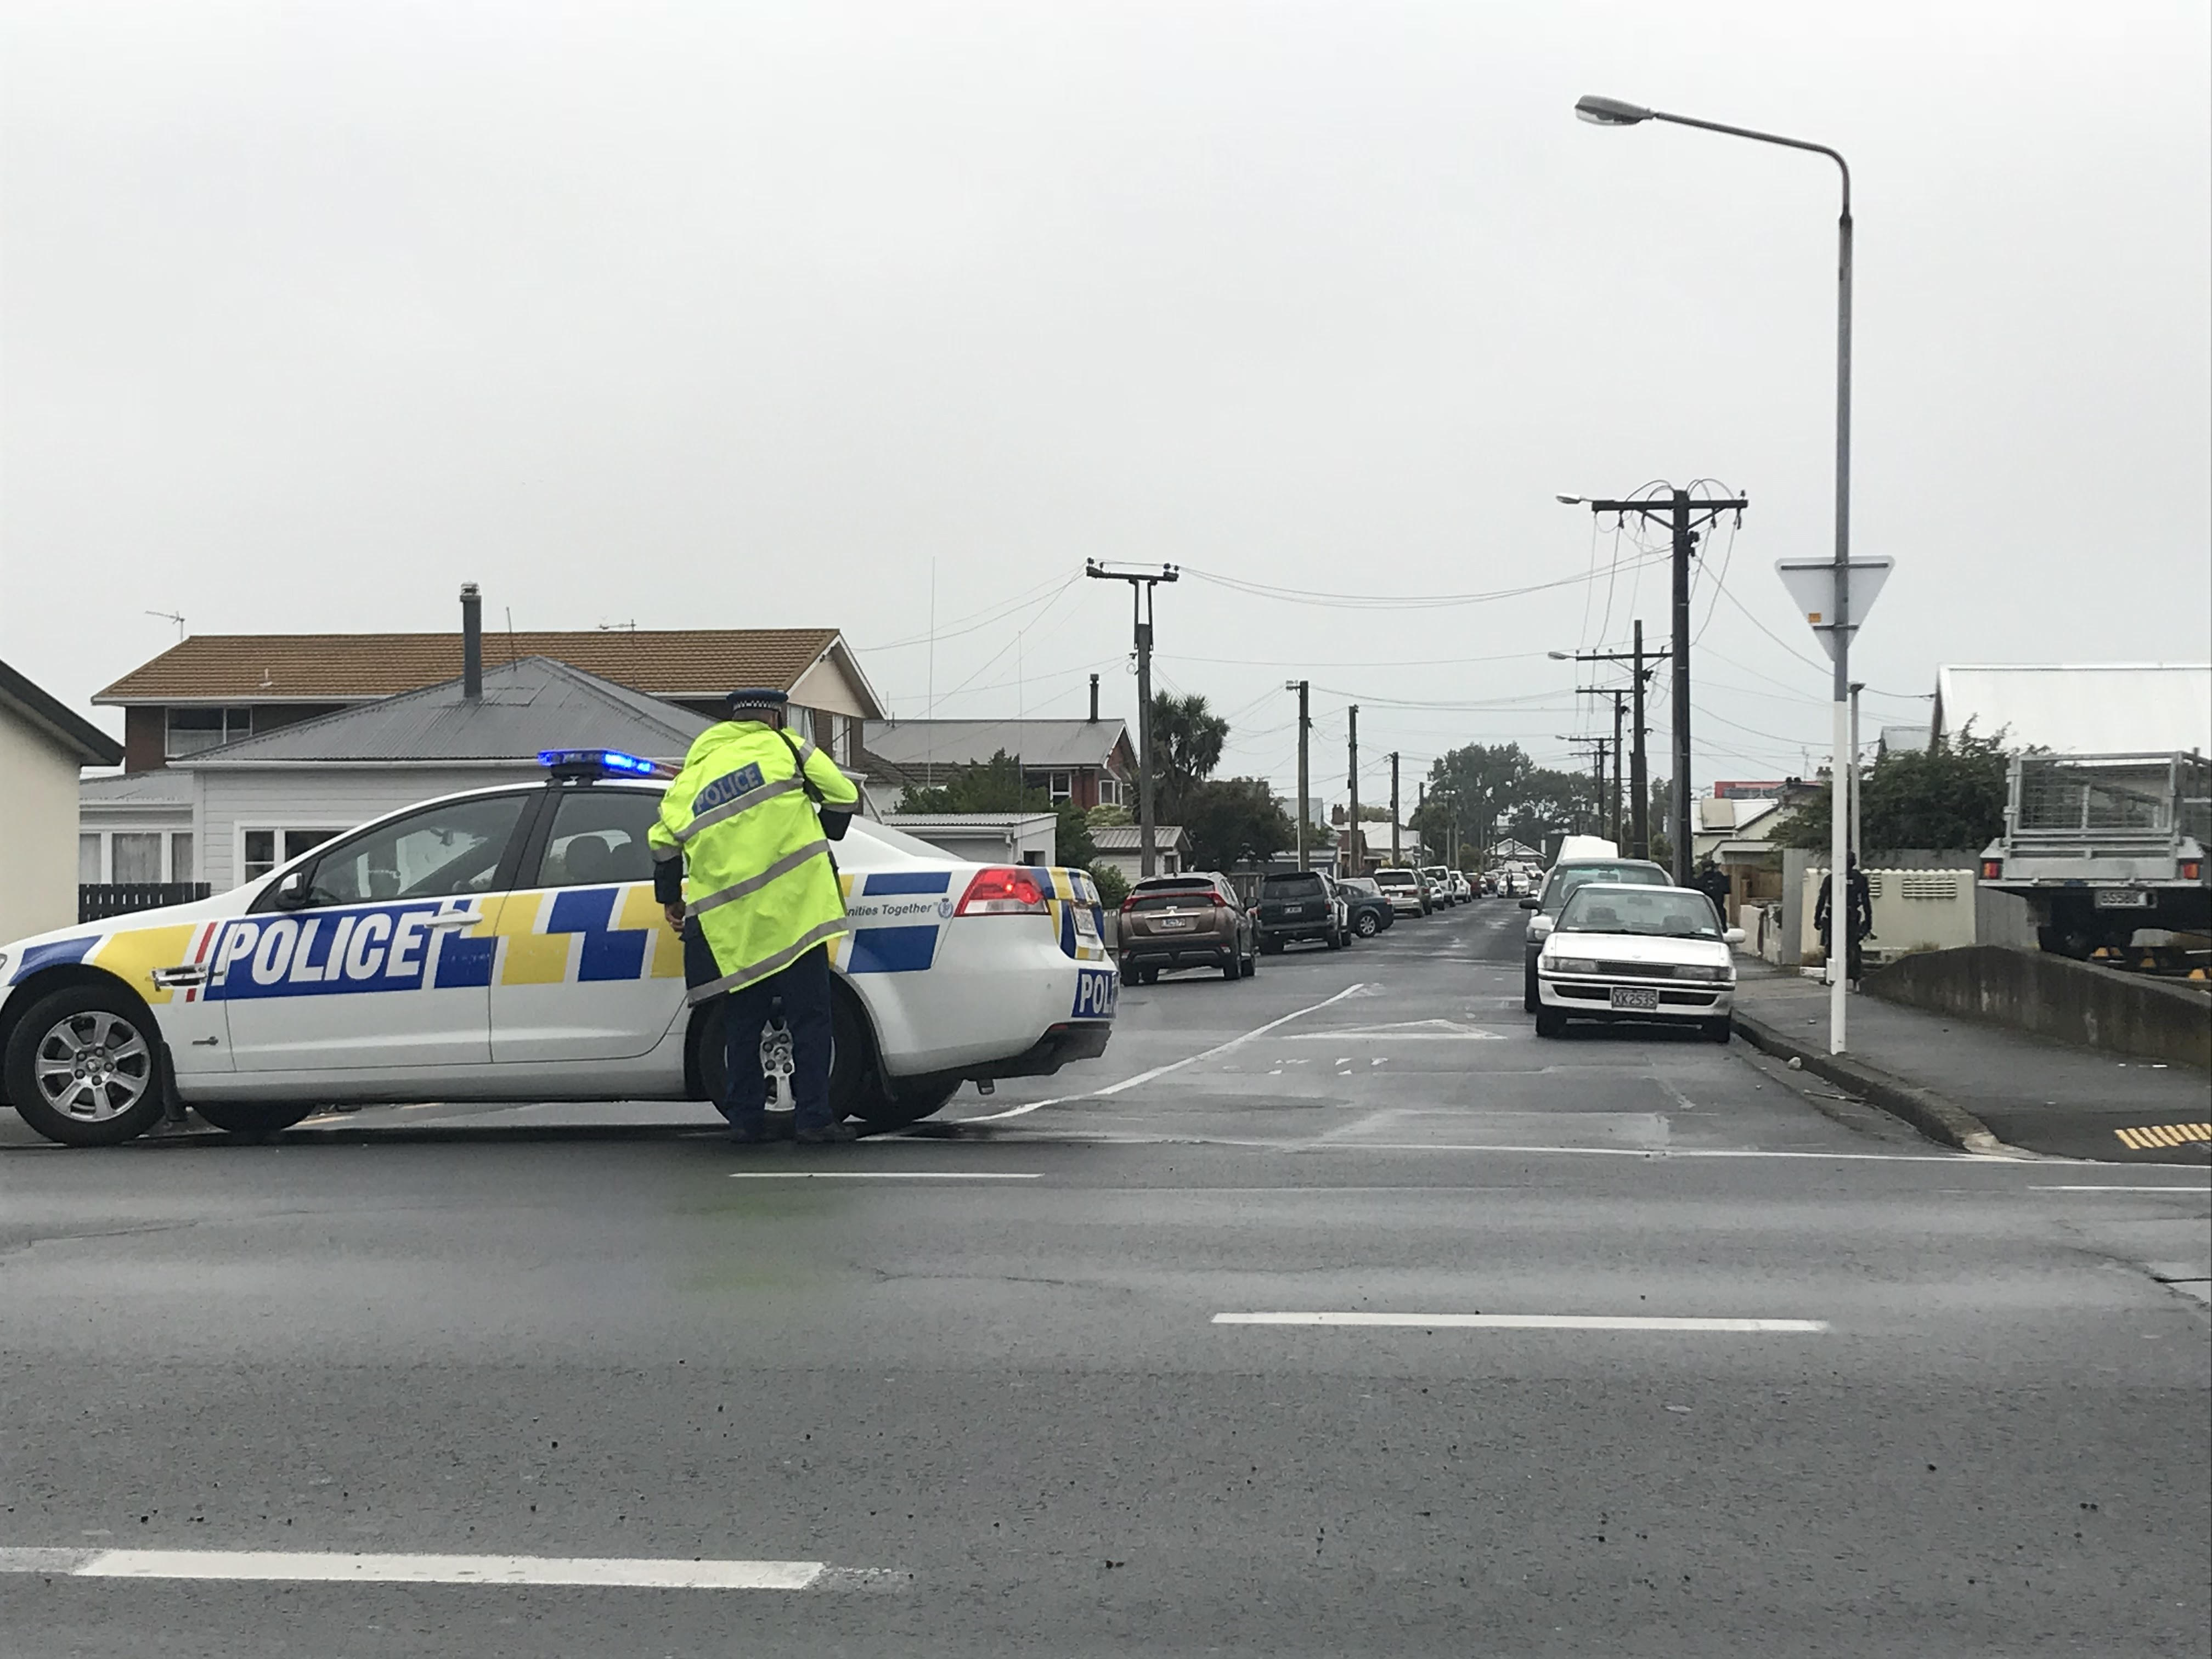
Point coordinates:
pixel 1564 881
pixel 1397 878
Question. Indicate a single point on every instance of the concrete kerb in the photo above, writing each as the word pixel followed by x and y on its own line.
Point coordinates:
pixel 1942 1120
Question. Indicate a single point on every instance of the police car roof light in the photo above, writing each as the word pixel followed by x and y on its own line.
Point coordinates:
pixel 594 763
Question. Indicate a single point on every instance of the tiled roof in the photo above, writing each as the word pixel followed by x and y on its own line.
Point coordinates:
pixel 526 707
pixel 696 662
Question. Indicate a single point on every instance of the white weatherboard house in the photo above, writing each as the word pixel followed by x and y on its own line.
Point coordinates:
pixel 264 800
pixel 43 748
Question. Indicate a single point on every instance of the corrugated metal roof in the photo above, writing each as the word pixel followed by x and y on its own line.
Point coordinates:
pixel 1125 838
pixel 160 788
pixel 692 662
pixel 970 743
pixel 526 707
pixel 2088 708
pixel 979 821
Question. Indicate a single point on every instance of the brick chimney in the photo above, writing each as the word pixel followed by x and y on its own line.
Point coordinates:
pixel 471 642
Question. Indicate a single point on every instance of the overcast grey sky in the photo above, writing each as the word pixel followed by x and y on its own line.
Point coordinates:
pixel 730 314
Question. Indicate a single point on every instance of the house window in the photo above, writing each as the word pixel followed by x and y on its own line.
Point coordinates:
pixel 180 856
pixel 194 731
pixel 88 858
pixel 136 856
pixel 262 847
pixel 1109 791
pixel 1060 786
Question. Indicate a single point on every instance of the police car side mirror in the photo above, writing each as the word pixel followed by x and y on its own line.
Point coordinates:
pixel 292 891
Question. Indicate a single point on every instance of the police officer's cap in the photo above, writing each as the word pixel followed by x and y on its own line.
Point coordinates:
pixel 754 697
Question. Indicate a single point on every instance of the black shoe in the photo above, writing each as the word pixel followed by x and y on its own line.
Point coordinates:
pixel 749 1134
pixel 822 1134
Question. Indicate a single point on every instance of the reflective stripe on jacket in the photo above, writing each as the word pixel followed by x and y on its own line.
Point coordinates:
pixel 758 880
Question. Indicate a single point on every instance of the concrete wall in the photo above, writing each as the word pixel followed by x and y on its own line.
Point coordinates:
pixel 37 831
pixel 2056 997
pixel 317 798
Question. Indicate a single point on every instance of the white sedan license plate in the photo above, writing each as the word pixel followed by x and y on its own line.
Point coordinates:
pixel 2123 898
pixel 1634 997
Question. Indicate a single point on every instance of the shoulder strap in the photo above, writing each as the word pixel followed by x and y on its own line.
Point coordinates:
pixel 813 790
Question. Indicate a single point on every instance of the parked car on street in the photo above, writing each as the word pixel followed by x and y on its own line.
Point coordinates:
pixel 1302 904
pixel 1439 879
pixel 1559 886
pixel 1371 911
pixel 1462 889
pixel 1191 920
pixel 1407 893
pixel 1633 952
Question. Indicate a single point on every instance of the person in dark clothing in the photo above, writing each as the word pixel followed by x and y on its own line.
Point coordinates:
pixel 1859 924
pixel 1712 881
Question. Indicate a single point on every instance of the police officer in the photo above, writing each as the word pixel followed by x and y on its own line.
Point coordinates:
pixel 1858 921
pixel 739 831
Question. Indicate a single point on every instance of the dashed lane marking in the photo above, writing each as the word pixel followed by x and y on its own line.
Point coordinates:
pixel 883 1175
pixel 1529 1322
pixel 314 1567
pixel 2157 1137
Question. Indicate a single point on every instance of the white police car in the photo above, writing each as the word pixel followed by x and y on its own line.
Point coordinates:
pixel 504 944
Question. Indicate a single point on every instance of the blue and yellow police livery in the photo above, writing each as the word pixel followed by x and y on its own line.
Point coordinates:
pixel 505 945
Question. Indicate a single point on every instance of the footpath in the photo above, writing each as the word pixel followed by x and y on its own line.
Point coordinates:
pixel 1981 1086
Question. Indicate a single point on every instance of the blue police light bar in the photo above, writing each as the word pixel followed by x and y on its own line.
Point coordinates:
pixel 612 762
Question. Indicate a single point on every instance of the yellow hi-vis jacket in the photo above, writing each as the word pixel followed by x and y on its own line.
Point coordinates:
pixel 760 885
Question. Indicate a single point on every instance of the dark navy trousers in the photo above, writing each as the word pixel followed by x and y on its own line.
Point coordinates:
pixel 804 988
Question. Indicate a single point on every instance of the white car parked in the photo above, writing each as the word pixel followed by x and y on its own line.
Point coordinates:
pixel 1405 890
pixel 1633 952
pixel 505 945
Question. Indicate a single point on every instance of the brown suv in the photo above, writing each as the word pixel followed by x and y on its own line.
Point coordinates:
pixel 1193 920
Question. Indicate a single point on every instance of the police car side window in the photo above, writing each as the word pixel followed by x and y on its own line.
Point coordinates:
pixel 442 851
pixel 598 835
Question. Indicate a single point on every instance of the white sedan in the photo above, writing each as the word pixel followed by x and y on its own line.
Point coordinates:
pixel 504 944
pixel 1633 952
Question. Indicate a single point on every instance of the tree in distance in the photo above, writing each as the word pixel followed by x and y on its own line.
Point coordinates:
pixel 995 786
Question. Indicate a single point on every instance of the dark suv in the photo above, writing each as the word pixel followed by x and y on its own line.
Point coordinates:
pixel 1185 921
pixel 1296 904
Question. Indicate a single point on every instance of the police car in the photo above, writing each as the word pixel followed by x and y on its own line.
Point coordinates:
pixel 505 945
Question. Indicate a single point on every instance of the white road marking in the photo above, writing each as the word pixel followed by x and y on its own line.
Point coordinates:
pixel 1411 1031
pixel 1524 1321
pixel 883 1174
pixel 1633 1151
pixel 2199 1191
pixel 1172 1065
pixel 288 1566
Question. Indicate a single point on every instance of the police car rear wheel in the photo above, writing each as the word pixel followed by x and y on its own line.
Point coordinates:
pixel 251 1120
pixel 83 1066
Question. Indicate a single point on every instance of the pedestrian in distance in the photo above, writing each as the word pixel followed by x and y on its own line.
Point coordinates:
pixel 1712 881
pixel 744 833
pixel 1859 924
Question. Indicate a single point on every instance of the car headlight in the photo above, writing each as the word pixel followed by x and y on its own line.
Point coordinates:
pixel 1687 971
pixel 1570 964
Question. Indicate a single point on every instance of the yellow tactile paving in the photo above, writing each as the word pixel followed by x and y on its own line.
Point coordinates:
pixel 2156 1136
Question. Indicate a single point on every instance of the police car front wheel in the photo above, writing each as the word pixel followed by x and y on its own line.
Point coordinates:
pixel 83 1066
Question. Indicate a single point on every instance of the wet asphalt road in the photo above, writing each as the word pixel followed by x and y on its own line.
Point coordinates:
pixel 990 1392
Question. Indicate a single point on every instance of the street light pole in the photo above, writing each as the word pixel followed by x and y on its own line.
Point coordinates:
pixel 1612 112
pixel 1305 726
pixel 1141 582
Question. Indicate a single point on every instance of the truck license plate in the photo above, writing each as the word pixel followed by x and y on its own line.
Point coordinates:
pixel 2123 898
pixel 1635 997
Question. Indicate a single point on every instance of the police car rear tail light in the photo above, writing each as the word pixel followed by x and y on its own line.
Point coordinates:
pixel 596 763
pixel 1010 892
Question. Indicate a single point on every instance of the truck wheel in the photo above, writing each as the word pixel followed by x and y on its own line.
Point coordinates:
pixel 251 1120
pixel 83 1066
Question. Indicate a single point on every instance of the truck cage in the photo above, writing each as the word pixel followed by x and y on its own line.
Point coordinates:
pixel 2108 805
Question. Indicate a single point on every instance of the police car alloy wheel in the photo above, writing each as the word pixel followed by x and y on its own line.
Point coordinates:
pixel 83 1067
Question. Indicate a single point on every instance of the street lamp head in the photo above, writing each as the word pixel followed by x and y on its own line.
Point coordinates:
pixel 1609 112
pixel 1570 500
pixel 1558 656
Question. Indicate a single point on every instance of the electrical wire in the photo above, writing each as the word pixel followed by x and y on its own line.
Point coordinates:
pixel 998 611
pixel 1375 601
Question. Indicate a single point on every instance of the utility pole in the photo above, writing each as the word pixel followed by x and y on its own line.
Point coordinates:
pixel 1684 515
pixel 1355 861
pixel 1642 666
pixel 1619 695
pixel 1597 748
pixel 1305 728
pixel 1141 582
pixel 1396 855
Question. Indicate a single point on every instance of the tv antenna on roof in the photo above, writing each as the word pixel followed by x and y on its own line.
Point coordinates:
pixel 171 615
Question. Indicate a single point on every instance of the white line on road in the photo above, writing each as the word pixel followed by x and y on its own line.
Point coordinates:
pixel 288 1566
pixel 2199 1191
pixel 883 1174
pixel 1522 1321
pixel 1172 1065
